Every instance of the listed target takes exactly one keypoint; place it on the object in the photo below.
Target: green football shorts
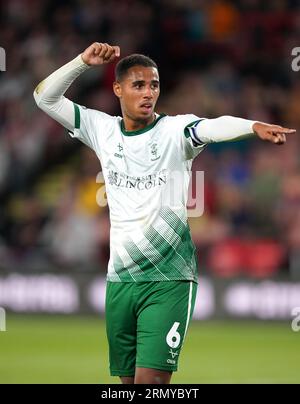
(146, 324)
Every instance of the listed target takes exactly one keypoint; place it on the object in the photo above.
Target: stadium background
(215, 58)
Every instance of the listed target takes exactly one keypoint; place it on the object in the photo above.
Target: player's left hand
(273, 133)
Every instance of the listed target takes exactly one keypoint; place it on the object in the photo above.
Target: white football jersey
(146, 175)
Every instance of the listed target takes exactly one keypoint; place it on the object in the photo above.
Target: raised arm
(229, 128)
(49, 93)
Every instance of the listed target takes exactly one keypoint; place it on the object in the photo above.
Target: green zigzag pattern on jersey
(120, 270)
(172, 261)
(147, 266)
(173, 256)
(187, 248)
(147, 271)
(129, 275)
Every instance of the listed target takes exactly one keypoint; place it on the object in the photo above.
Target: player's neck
(134, 125)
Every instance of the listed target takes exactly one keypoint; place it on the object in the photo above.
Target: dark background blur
(215, 58)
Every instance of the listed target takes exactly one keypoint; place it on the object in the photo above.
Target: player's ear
(117, 89)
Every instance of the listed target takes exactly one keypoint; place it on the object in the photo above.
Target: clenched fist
(273, 133)
(100, 53)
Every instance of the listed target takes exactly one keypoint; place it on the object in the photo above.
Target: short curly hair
(132, 60)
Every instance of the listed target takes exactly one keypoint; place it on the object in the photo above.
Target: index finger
(285, 130)
(117, 50)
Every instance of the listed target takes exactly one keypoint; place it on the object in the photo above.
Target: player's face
(138, 92)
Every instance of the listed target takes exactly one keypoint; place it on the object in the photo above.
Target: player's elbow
(37, 94)
(36, 98)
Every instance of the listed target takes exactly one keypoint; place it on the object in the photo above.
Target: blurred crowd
(215, 58)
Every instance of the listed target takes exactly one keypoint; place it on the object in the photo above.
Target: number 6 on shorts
(173, 337)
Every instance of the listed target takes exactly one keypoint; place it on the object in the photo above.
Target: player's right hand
(273, 133)
(100, 53)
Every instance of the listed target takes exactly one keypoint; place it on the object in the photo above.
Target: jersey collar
(143, 130)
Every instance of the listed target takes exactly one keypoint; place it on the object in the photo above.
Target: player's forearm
(49, 93)
(222, 129)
